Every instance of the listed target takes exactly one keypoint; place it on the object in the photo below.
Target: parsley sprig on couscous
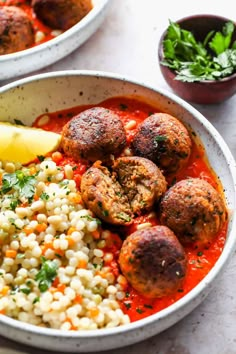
(54, 263)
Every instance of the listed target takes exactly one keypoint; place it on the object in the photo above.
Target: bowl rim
(83, 23)
(227, 251)
(193, 17)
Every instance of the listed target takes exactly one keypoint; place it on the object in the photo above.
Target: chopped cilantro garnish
(160, 138)
(123, 107)
(18, 182)
(105, 212)
(18, 122)
(139, 311)
(212, 59)
(148, 306)
(36, 299)
(25, 290)
(44, 196)
(123, 216)
(47, 274)
(41, 158)
(127, 305)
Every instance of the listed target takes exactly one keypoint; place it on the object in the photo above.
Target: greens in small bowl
(197, 57)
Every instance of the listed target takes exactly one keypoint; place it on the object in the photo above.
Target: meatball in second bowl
(164, 140)
(153, 261)
(61, 14)
(16, 31)
(94, 134)
(194, 210)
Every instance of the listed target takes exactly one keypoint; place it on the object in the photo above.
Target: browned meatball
(104, 196)
(142, 182)
(164, 140)
(16, 31)
(94, 134)
(153, 261)
(61, 14)
(194, 210)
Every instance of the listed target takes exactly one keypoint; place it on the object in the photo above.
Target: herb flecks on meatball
(153, 261)
(94, 134)
(141, 180)
(129, 188)
(61, 14)
(164, 140)
(104, 196)
(194, 210)
(16, 31)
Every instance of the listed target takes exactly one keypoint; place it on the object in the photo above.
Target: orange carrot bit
(46, 246)
(70, 240)
(2, 312)
(70, 230)
(101, 273)
(93, 311)
(82, 264)
(59, 253)
(24, 205)
(41, 227)
(57, 157)
(61, 287)
(36, 197)
(96, 234)
(5, 290)
(32, 171)
(28, 230)
(55, 282)
(76, 199)
(78, 299)
(73, 328)
(11, 253)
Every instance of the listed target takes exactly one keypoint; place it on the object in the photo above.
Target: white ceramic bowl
(28, 98)
(26, 61)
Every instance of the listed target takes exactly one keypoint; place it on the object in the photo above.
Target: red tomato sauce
(200, 261)
(36, 23)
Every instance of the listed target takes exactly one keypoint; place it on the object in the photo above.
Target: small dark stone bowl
(203, 92)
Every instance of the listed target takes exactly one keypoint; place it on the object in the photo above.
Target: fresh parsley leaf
(36, 299)
(25, 290)
(221, 40)
(160, 138)
(18, 122)
(211, 59)
(44, 196)
(20, 183)
(41, 158)
(123, 216)
(47, 274)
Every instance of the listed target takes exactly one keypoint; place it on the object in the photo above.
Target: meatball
(104, 196)
(194, 210)
(94, 134)
(153, 261)
(61, 14)
(16, 31)
(164, 140)
(142, 182)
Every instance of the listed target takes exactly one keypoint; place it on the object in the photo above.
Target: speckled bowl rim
(229, 247)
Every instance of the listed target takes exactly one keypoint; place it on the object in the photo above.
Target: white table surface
(126, 43)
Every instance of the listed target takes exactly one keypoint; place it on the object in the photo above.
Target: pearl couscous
(54, 261)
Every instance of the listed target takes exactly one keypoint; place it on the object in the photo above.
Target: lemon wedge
(23, 144)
